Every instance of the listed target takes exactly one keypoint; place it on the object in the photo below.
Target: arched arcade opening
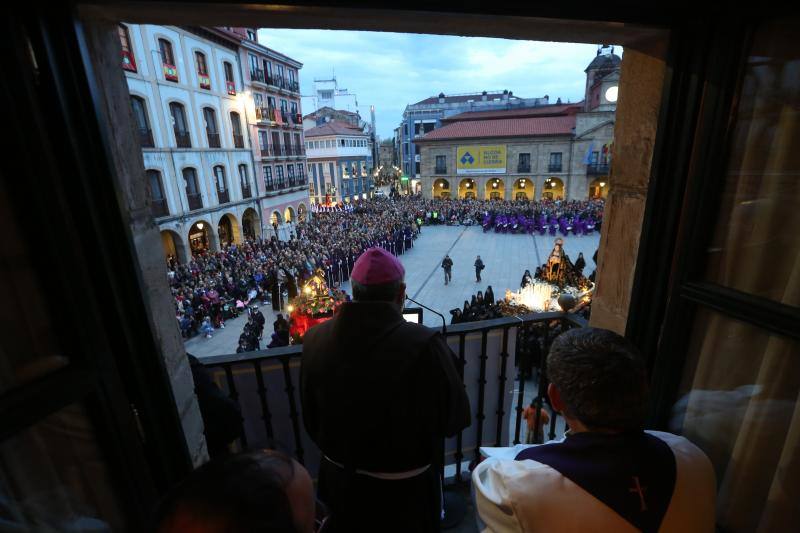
(467, 189)
(441, 188)
(251, 226)
(495, 189)
(524, 189)
(553, 189)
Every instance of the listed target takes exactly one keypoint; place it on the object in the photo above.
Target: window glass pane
(53, 478)
(756, 242)
(28, 337)
(739, 403)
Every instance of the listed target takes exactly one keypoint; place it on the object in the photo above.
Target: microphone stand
(444, 322)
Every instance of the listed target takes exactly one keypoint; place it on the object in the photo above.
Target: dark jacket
(379, 392)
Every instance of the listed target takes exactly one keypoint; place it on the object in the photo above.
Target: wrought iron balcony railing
(257, 75)
(223, 196)
(524, 167)
(159, 207)
(146, 138)
(213, 140)
(440, 170)
(183, 139)
(597, 169)
(554, 168)
(195, 201)
(238, 141)
(265, 385)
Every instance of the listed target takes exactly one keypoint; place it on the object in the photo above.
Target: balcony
(246, 191)
(554, 168)
(597, 169)
(146, 138)
(292, 181)
(524, 167)
(223, 196)
(183, 139)
(270, 80)
(238, 141)
(195, 201)
(159, 208)
(486, 351)
(231, 88)
(205, 81)
(294, 86)
(269, 186)
(440, 170)
(297, 119)
(213, 140)
(257, 75)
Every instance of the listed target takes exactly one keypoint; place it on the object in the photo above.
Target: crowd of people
(216, 286)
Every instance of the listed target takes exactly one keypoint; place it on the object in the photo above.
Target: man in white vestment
(607, 474)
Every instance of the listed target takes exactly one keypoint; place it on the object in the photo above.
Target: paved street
(506, 257)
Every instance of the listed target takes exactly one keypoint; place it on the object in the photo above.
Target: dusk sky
(391, 70)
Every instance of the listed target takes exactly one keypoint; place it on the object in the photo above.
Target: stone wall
(642, 79)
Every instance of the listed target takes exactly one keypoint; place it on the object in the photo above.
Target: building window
(268, 183)
(155, 191)
(202, 70)
(230, 85)
(168, 60)
(180, 125)
(212, 132)
(268, 72)
(555, 162)
(252, 35)
(244, 181)
(192, 191)
(416, 168)
(236, 128)
(524, 163)
(142, 123)
(128, 59)
(262, 141)
(441, 164)
(301, 173)
(220, 184)
(279, 176)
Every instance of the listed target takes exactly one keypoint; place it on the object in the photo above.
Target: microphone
(434, 311)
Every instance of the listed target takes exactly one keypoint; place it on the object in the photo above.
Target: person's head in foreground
(378, 277)
(598, 381)
(260, 491)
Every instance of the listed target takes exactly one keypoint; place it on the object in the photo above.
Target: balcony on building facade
(296, 150)
(159, 208)
(524, 167)
(231, 87)
(246, 191)
(170, 72)
(597, 169)
(183, 139)
(257, 75)
(554, 168)
(440, 170)
(195, 201)
(213, 140)
(292, 181)
(238, 141)
(223, 196)
(146, 138)
(498, 419)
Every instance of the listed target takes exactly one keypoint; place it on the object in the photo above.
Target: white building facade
(189, 107)
(339, 163)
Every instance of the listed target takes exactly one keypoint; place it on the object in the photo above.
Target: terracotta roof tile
(508, 127)
(556, 109)
(333, 128)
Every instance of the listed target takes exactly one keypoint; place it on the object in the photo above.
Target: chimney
(505, 94)
(483, 96)
(441, 98)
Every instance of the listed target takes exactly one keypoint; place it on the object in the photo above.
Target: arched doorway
(523, 189)
(553, 189)
(173, 245)
(441, 188)
(251, 228)
(288, 214)
(199, 238)
(598, 188)
(467, 189)
(228, 230)
(302, 212)
(495, 189)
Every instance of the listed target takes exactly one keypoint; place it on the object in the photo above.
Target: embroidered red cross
(637, 488)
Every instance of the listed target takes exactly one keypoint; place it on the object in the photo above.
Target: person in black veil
(489, 296)
(580, 263)
(527, 279)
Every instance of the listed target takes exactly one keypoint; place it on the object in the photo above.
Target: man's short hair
(601, 377)
(384, 292)
(242, 492)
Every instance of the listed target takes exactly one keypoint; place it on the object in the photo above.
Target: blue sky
(391, 70)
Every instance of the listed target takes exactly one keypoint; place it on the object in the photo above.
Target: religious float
(557, 285)
(314, 304)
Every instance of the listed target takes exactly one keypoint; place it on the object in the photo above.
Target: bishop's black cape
(380, 394)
